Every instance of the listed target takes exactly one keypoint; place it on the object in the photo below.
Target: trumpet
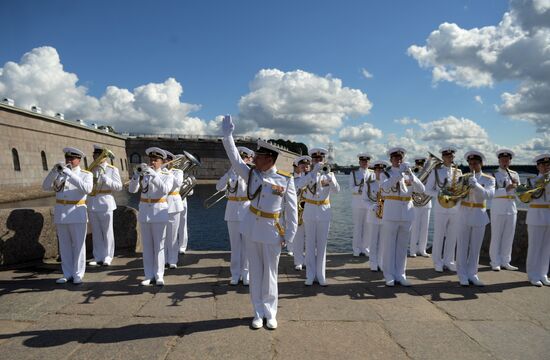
(142, 168)
(60, 167)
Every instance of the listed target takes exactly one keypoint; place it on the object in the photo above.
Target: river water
(208, 230)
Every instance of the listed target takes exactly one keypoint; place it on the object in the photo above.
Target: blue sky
(214, 50)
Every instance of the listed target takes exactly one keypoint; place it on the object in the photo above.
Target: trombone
(214, 199)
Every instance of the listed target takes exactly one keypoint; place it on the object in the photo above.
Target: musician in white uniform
(421, 222)
(101, 204)
(175, 207)
(317, 215)
(371, 197)
(155, 185)
(271, 221)
(503, 212)
(235, 211)
(301, 168)
(473, 219)
(445, 219)
(398, 217)
(183, 236)
(359, 211)
(71, 185)
(538, 225)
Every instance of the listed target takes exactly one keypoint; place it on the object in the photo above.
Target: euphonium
(188, 184)
(527, 193)
(421, 199)
(105, 153)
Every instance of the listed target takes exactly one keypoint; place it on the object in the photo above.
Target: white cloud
(518, 48)
(366, 74)
(406, 121)
(298, 102)
(40, 79)
(478, 99)
(362, 133)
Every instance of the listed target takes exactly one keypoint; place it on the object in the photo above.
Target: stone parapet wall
(30, 134)
(30, 235)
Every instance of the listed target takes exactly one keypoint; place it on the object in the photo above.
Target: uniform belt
(539, 206)
(473, 205)
(154, 201)
(237, 198)
(94, 193)
(70, 202)
(398, 198)
(264, 214)
(318, 202)
(511, 197)
(174, 193)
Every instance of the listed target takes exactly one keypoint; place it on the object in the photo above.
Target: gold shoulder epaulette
(165, 172)
(512, 171)
(467, 174)
(86, 171)
(487, 176)
(111, 166)
(284, 173)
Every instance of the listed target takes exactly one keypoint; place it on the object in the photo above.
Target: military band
(71, 185)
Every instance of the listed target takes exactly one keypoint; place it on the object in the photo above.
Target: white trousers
(239, 261)
(468, 247)
(375, 248)
(419, 235)
(396, 237)
(360, 232)
(538, 252)
(503, 228)
(72, 248)
(182, 230)
(102, 235)
(298, 245)
(171, 244)
(444, 240)
(152, 240)
(264, 261)
(316, 249)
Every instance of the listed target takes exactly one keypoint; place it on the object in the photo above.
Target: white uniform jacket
(320, 194)
(235, 191)
(442, 176)
(70, 198)
(396, 193)
(275, 195)
(473, 210)
(175, 203)
(153, 205)
(357, 185)
(101, 198)
(369, 197)
(539, 216)
(504, 202)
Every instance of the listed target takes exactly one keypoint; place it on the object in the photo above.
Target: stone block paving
(197, 315)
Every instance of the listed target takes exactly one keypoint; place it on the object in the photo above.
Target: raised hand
(227, 125)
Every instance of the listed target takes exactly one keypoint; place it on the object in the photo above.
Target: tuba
(526, 193)
(188, 184)
(185, 163)
(421, 199)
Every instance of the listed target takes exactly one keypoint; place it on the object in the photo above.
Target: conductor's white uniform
(274, 203)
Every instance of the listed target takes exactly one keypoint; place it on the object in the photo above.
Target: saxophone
(301, 204)
(380, 204)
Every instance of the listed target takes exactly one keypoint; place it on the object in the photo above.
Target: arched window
(121, 165)
(135, 158)
(44, 161)
(85, 162)
(16, 164)
(126, 161)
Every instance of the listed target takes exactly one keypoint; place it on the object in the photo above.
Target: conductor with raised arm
(271, 221)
